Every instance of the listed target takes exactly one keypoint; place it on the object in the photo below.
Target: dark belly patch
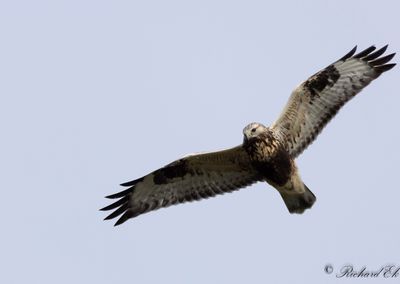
(277, 169)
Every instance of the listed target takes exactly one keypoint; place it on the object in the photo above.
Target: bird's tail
(298, 202)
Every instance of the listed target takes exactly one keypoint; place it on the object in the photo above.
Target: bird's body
(267, 154)
(270, 158)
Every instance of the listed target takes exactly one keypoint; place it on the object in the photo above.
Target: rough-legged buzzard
(267, 153)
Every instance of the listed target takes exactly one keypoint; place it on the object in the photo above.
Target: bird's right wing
(191, 178)
(313, 104)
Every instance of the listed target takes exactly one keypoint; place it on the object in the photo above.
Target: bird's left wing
(191, 178)
(313, 104)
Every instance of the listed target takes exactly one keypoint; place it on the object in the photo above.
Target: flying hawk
(267, 154)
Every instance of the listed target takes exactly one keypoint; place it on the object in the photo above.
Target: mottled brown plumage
(267, 153)
(317, 100)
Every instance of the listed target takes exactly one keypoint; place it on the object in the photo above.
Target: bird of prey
(267, 154)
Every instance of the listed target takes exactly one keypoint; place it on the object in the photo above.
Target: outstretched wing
(313, 104)
(191, 178)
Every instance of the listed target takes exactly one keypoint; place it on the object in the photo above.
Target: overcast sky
(96, 93)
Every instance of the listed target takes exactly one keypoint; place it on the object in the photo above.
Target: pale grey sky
(95, 93)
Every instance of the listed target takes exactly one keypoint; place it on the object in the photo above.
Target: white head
(253, 130)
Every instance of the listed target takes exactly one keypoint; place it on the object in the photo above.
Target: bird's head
(253, 130)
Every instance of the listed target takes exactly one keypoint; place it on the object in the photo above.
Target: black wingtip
(119, 194)
(373, 59)
(376, 54)
(121, 206)
(127, 215)
(365, 52)
(132, 182)
(349, 54)
(119, 222)
(382, 60)
(117, 212)
(116, 204)
(384, 68)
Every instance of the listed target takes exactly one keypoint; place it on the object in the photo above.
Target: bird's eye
(253, 130)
